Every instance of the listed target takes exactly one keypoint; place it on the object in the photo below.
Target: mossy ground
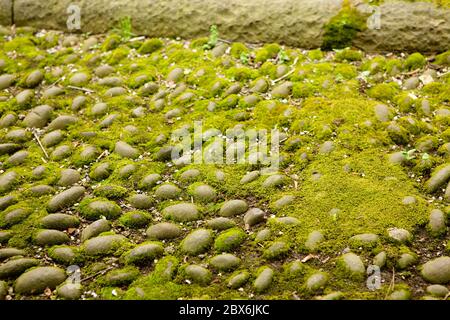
(349, 188)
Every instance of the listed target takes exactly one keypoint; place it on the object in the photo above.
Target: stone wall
(403, 26)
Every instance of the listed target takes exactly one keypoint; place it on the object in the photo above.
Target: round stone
(399, 235)
(68, 177)
(204, 193)
(101, 171)
(24, 97)
(437, 223)
(135, 219)
(364, 240)
(103, 71)
(189, 175)
(276, 180)
(167, 191)
(144, 253)
(229, 240)
(315, 238)
(437, 290)
(34, 78)
(276, 250)
(8, 180)
(50, 237)
(380, 259)
(115, 91)
(6, 80)
(79, 79)
(263, 280)
(182, 212)
(405, 261)
(437, 270)
(438, 178)
(163, 230)
(65, 199)
(15, 216)
(95, 228)
(59, 221)
(125, 150)
(78, 103)
(197, 242)
(382, 112)
(99, 109)
(198, 274)
(175, 74)
(38, 116)
(62, 122)
(104, 245)
(98, 208)
(18, 158)
(233, 207)
(287, 220)
(141, 201)
(69, 291)
(6, 253)
(225, 262)
(64, 255)
(316, 281)
(127, 170)
(253, 216)
(351, 266)
(220, 223)
(238, 280)
(149, 181)
(249, 177)
(7, 201)
(13, 268)
(38, 279)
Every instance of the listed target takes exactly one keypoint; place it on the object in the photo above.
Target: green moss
(342, 28)
(302, 90)
(393, 66)
(111, 42)
(110, 191)
(384, 91)
(229, 240)
(316, 54)
(267, 52)
(150, 46)
(229, 102)
(415, 61)
(135, 219)
(117, 55)
(443, 58)
(241, 73)
(95, 208)
(348, 55)
(237, 49)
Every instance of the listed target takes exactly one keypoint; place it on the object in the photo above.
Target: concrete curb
(404, 26)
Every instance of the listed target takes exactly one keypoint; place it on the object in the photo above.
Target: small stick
(40, 144)
(97, 274)
(223, 40)
(287, 74)
(81, 89)
(54, 83)
(102, 154)
(391, 285)
(136, 39)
